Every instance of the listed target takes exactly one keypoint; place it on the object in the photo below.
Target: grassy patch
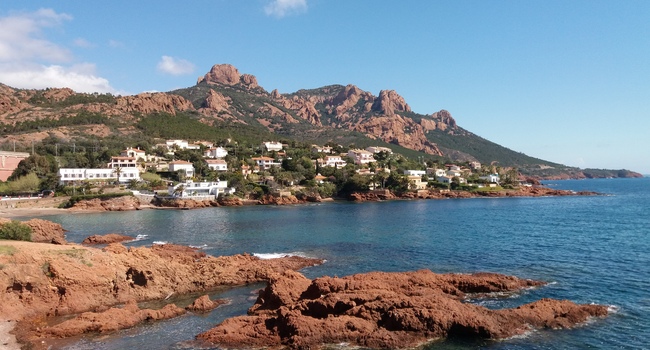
(79, 254)
(7, 250)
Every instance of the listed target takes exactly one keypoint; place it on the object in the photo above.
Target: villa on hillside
(492, 178)
(271, 146)
(321, 149)
(200, 189)
(416, 182)
(75, 175)
(182, 165)
(217, 164)
(332, 161)
(265, 163)
(182, 144)
(361, 156)
(377, 149)
(436, 172)
(215, 152)
(123, 162)
(419, 173)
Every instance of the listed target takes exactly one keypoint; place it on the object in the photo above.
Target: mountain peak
(390, 101)
(228, 74)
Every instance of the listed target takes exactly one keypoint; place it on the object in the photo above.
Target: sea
(590, 249)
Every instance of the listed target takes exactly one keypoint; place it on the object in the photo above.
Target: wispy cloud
(115, 44)
(28, 60)
(81, 42)
(282, 8)
(175, 66)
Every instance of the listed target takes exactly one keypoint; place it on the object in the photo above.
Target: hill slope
(226, 104)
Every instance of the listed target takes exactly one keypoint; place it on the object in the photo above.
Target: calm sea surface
(592, 249)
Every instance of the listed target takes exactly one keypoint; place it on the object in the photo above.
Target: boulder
(204, 304)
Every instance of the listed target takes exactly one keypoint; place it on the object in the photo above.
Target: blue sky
(565, 81)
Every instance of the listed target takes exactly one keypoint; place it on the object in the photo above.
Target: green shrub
(7, 250)
(16, 230)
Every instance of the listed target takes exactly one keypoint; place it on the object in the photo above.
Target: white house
(436, 172)
(182, 165)
(416, 182)
(475, 165)
(217, 164)
(492, 178)
(190, 188)
(70, 175)
(266, 162)
(448, 179)
(453, 173)
(215, 152)
(377, 149)
(123, 162)
(272, 146)
(332, 161)
(134, 153)
(419, 173)
(321, 149)
(182, 144)
(361, 156)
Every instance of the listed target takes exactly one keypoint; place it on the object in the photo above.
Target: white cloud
(81, 42)
(21, 37)
(80, 78)
(175, 66)
(281, 8)
(28, 60)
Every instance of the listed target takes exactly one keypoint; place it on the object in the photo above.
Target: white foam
(202, 246)
(267, 256)
(613, 309)
(140, 238)
(159, 242)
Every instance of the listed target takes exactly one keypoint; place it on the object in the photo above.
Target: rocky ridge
(389, 310)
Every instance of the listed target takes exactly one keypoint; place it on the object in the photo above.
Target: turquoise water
(593, 249)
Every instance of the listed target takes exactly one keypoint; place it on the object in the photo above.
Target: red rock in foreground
(388, 310)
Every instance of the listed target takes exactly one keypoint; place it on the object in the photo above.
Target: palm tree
(118, 172)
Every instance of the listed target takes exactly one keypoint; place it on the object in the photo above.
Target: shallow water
(593, 249)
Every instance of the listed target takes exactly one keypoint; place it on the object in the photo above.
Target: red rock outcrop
(44, 231)
(41, 280)
(215, 102)
(349, 97)
(204, 304)
(58, 94)
(148, 102)
(399, 130)
(107, 239)
(441, 120)
(123, 203)
(279, 200)
(184, 203)
(227, 74)
(388, 310)
(111, 320)
(390, 101)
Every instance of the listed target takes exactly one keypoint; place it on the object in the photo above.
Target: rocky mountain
(224, 98)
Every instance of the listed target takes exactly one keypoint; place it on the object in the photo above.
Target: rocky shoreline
(101, 288)
(43, 280)
(389, 310)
